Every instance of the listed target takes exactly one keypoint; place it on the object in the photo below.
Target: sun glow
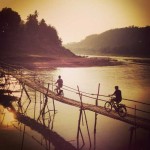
(7, 117)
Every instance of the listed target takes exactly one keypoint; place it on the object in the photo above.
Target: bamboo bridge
(22, 76)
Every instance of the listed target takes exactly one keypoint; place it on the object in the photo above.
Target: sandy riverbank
(38, 62)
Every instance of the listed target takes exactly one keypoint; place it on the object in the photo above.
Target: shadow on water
(49, 135)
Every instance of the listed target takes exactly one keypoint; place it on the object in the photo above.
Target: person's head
(59, 76)
(116, 87)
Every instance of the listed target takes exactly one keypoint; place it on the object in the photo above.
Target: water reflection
(9, 113)
(6, 108)
(76, 128)
(36, 125)
(7, 117)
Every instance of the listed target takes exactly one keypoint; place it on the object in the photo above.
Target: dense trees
(30, 37)
(9, 28)
(129, 41)
(9, 20)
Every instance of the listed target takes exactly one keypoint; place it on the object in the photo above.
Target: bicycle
(119, 108)
(59, 92)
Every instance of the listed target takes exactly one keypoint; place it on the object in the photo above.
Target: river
(134, 82)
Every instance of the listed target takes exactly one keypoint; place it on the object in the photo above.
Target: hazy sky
(76, 19)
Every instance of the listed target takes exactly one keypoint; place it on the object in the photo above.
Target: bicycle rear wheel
(108, 106)
(122, 111)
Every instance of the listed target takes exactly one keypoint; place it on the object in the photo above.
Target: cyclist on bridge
(59, 83)
(117, 94)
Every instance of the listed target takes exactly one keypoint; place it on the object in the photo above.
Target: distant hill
(129, 41)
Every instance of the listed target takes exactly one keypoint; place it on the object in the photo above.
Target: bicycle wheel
(108, 106)
(122, 111)
(55, 91)
(61, 93)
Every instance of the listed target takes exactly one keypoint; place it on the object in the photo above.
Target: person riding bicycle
(117, 94)
(114, 103)
(59, 83)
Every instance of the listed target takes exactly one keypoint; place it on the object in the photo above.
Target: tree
(30, 37)
(53, 36)
(9, 27)
(9, 20)
(49, 33)
(32, 23)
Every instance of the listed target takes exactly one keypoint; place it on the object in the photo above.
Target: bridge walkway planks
(130, 119)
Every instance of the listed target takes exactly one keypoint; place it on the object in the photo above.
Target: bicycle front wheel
(108, 106)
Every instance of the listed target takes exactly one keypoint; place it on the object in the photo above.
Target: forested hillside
(33, 37)
(129, 41)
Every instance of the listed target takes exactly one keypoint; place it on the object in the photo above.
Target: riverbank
(44, 62)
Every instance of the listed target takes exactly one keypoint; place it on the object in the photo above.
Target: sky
(76, 19)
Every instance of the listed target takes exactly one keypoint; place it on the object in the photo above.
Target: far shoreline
(45, 62)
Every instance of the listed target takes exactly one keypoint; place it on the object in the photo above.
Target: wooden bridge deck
(130, 119)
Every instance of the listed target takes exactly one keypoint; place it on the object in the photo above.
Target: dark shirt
(60, 82)
(118, 95)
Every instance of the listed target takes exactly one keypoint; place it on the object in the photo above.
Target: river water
(134, 82)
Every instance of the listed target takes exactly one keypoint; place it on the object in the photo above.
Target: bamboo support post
(87, 128)
(96, 103)
(79, 130)
(135, 126)
(131, 137)
(53, 99)
(40, 100)
(42, 112)
(27, 96)
(80, 95)
(95, 131)
(35, 105)
(23, 137)
(95, 123)
(19, 101)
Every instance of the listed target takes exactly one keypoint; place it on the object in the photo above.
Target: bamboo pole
(80, 95)
(135, 127)
(19, 101)
(87, 128)
(79, 121)
(96, 103)
(53, 98)
(95, 131)
(27, 96)
(23, 137)
(35, 105)
(95, 123)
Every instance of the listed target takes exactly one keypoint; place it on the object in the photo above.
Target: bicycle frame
(115, 105)
(59, 91)
(119, 108)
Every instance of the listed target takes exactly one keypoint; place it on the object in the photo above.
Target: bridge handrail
(86, 93)
(138, 110)
(109, 96)
(15, 67)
